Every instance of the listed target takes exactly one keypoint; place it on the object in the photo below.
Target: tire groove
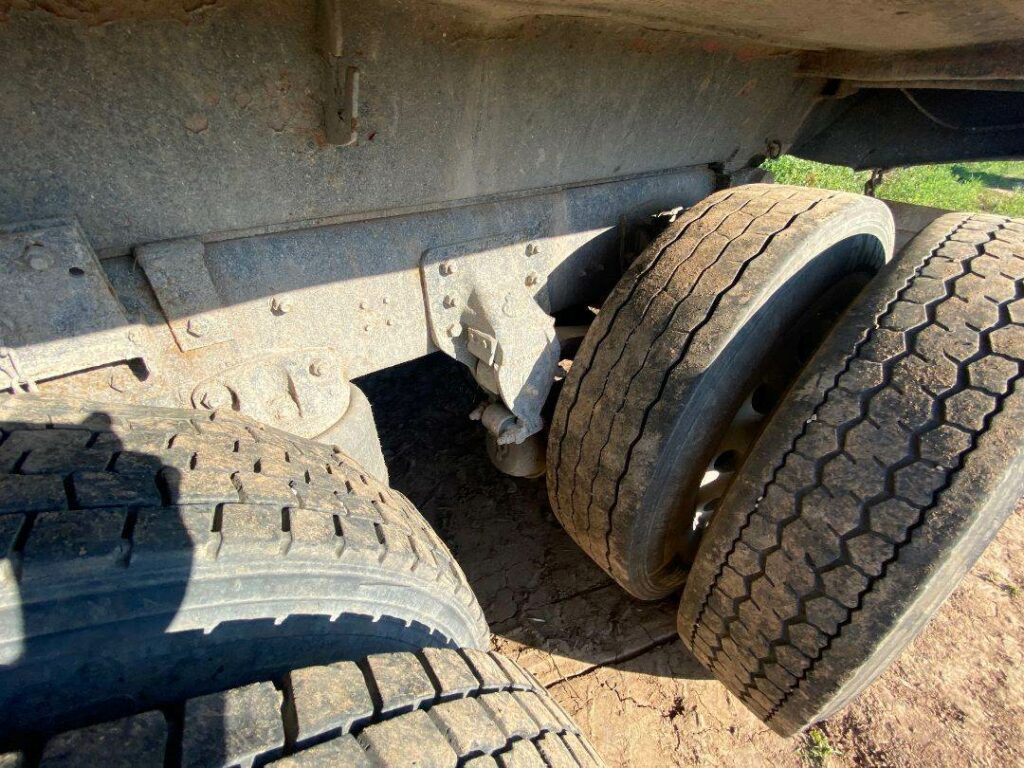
(570, 410)
(592, 349)
(685, 260)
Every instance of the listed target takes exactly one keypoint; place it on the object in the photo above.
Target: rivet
(386, 300)
(532, 278)
(447, 268)
(454, 330)
(317, 368)
(364, 304)
(197, 326)
(366, 328)
(389, 321)
(280, 305)
(450, 301)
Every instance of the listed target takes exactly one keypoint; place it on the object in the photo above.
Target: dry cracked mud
(956, 697)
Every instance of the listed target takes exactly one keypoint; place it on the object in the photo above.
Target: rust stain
(197, 123)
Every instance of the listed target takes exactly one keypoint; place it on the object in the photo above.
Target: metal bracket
(487, 305)
(341, 105)
(304, 392)
(176, 270)
(58, 312)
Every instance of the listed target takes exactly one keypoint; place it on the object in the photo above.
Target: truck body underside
(251, 204)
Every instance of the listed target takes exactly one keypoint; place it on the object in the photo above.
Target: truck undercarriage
(234, 210)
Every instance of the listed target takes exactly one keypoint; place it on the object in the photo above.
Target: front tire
(154, 554)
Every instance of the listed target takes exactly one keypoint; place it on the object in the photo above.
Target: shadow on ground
(990, 180)
(548, 605)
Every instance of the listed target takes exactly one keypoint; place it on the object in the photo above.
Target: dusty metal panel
(58, 313)
(356, 287)
(152, 129)
(177, 273)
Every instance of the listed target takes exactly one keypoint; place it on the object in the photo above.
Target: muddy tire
(884, 474)
(683, 341)
(438, 707)
(152, 554)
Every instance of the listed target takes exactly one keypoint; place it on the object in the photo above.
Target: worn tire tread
(886, 470)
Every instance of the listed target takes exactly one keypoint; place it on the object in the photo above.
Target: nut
(215, 396)
(280, 305)
(532, 250)
(454, 330)
(532, 278)
(447, 268)
(450, 301)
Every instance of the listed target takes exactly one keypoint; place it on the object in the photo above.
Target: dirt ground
(956, 697)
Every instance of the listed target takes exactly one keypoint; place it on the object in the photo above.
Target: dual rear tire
(857, 496)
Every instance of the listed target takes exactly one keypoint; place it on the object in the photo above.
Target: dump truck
(780, 407)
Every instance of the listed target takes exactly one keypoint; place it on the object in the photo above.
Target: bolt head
(532, 249)
(197, 326)
(317, 368)
(454, 330)
(450, 302)
(214, 397)
(447, 268)
(38, 257)
(532, 279)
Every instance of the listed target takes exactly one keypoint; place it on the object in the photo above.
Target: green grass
(816, 749)
(993, 187)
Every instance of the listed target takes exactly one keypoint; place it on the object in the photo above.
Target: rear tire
(433, 708)
(154, 554)
(660, 381)
(884, 474)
